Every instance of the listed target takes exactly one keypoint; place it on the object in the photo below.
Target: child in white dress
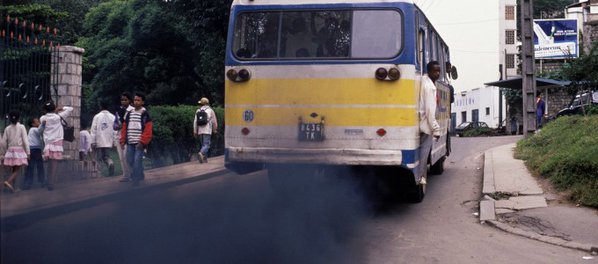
(17, 153)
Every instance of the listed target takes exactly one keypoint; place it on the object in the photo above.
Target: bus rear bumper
(405, 158)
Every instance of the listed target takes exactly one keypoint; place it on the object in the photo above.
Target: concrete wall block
(69, 81)
(65, 79)
(62, 89)
(68, 58)
(67, 100)
(68, 69)
(73, 68)
(76, 103)
(61, 68)
(77, 80)
(72, 49)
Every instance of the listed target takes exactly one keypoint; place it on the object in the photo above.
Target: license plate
(311, 131)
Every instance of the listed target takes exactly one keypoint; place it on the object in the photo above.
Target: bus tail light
(242, 75)
(394, 74)
(381, 73)
(232, 75)
(245, 131)
(381, 132)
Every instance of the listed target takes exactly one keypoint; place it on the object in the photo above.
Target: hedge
(173, 140)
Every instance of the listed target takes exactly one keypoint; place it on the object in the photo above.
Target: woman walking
(17, 152)
(53, 138)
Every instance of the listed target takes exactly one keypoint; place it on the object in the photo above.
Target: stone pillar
(66, 90)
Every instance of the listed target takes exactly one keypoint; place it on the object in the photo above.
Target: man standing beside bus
(428, 100)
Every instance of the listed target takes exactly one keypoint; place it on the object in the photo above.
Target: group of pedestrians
(129, 130)
(43, 142)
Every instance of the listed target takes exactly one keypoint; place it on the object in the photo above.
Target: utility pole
(528, 84)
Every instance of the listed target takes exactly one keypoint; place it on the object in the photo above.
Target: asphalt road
(236, 219)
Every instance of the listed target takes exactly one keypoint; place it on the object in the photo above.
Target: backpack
(202, 117)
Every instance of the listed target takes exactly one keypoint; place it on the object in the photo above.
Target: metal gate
(28, 67)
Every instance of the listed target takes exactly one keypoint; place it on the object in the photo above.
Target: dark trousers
(35, 163)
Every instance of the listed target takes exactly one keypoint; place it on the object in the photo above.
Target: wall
(66, 71)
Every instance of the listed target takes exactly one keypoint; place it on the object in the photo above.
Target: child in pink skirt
(53, 137)
(17, 153)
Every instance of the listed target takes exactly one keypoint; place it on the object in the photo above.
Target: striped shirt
(134, 128)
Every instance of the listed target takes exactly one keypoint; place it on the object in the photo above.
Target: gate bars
(29, 56)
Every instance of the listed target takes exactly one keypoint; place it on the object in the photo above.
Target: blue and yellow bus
(320, 83)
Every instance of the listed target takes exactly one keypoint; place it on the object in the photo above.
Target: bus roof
(301, 2)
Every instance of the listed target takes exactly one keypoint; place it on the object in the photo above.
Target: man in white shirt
(428, 100)
(428, 123)
(102, 136)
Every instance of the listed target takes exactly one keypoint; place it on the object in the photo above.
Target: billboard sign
(555, 38)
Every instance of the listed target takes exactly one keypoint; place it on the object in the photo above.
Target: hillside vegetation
(566, 152)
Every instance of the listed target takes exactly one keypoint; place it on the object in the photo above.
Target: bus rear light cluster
(381, 74)
(242, 75)
(245, 131)
(381, 132)
(392, 74)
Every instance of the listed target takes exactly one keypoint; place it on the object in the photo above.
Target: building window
(487, 110)
(463, 116)
(510, 61)
(510, 12)
(510, 37)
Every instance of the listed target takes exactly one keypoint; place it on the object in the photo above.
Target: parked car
(468, 126)
(580, 100)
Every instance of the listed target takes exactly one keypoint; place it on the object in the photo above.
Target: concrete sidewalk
(38, 202)
(514, 202)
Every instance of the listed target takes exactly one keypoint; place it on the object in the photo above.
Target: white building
(482, 104)
(586, 13)
(507, 46)
(478, 105)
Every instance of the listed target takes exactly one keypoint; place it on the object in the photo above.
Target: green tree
(138, 46)
(65, 15)
(550, 8)
(208, 24)
(583, 71)
(173, 51)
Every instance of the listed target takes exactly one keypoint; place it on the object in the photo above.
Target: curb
(25, 219)
(487, 214)
(593, 249)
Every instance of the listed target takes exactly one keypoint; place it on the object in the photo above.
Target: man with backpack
(204, 124)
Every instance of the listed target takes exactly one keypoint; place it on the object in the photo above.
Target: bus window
(434, 46)
(256, 35)
(317, 34)
(297, 36)
(418, 63)
(421, 41)
(442, 61)
(384, 26)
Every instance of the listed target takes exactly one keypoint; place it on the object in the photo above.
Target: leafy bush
(566, 152)
(173, 140)
(592, 110)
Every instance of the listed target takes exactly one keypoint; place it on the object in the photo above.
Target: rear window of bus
(344, 34)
